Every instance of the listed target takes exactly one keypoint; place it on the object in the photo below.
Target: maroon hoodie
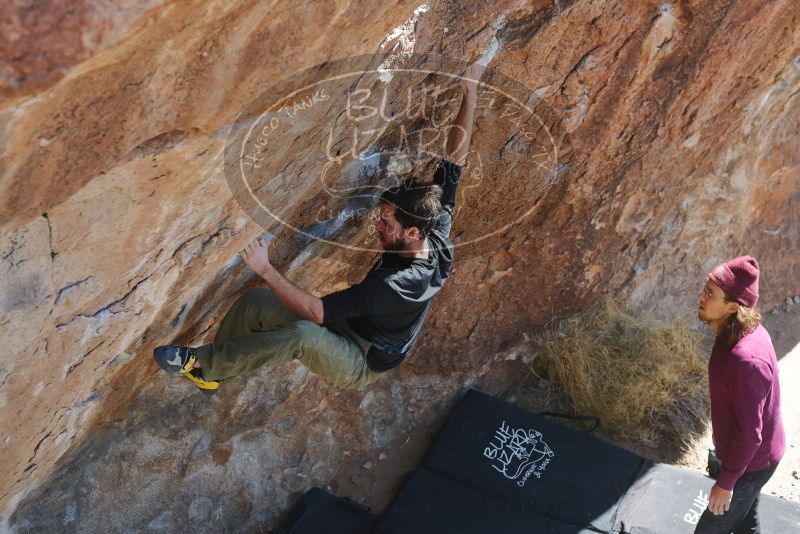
(745, 406)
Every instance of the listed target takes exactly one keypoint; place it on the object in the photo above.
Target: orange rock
(672, 144)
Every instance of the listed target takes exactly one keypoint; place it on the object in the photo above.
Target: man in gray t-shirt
(349, 337)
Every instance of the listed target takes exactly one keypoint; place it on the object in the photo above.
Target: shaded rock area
(676, 126)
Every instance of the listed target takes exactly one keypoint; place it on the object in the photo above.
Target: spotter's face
(712, 304)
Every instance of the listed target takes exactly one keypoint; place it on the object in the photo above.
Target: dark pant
(259, 330)
(742, 517)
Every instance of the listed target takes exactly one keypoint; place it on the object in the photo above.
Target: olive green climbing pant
(259, 330)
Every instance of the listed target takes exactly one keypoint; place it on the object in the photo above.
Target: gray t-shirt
(389, 306)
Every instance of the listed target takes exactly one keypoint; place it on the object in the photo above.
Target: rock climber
(745, 393)
(349, 337)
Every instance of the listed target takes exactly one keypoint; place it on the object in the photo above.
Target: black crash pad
(525, 458)
(431, 503)
(319, 511)
(495, 468)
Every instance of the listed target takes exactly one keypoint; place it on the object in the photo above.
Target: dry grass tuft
(644, 379)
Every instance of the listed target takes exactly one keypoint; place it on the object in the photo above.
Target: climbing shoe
(179, 359)
(209, 387)
(175, 358)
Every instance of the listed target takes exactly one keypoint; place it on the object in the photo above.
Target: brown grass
(644, 379)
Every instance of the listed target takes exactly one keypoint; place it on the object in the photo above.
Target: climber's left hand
(256, 257)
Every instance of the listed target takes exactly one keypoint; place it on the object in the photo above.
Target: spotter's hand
(256, 257)
(719, 501)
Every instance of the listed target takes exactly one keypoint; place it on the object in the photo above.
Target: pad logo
(699, 504)
(518, 454)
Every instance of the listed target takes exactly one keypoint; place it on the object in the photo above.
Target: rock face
(672, 144)
(42, 40)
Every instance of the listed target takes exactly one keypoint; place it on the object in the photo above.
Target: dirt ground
(374, 478)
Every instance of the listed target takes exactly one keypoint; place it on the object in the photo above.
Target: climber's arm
(458, 139)
(448, 171)
(300, 302)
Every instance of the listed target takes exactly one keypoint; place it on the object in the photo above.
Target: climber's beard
(394, 245)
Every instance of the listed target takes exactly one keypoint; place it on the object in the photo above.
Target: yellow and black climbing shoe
(180, 359)
(175, 358)
(209, 387)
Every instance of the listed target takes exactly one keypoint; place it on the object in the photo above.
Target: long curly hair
(739, 325)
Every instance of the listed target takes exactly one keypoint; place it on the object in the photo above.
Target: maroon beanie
(738, 278)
